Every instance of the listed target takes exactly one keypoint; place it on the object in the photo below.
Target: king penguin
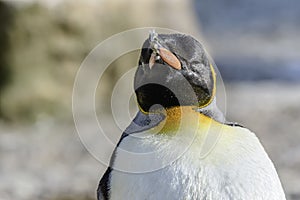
(179, 146)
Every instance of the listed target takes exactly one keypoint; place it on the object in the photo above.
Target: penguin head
(174, 70)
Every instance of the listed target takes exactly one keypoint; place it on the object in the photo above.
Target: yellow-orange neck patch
(183, 118)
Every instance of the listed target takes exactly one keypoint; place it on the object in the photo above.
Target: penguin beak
(160, 52)
(152, 60)
(170, 58)
(167, 56)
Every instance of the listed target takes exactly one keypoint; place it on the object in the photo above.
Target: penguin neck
(212, 111)
(183, 118)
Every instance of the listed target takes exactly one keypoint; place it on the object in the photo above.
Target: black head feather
(193, 84)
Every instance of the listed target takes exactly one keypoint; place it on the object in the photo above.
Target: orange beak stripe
(169, 58)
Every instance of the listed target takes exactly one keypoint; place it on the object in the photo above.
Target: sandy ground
(48, 161)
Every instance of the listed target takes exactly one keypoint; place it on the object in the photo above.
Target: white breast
(237, 168)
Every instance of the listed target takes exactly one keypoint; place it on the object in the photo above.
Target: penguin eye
(141, 63)
(145, 55)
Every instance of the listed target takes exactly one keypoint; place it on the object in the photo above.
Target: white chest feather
(236, 168)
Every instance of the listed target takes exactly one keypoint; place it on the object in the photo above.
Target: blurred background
(255, 44)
